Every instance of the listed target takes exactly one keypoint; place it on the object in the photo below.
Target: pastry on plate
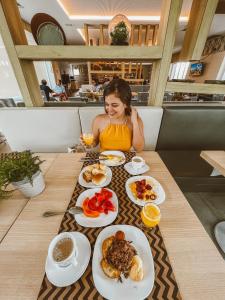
(120, 258)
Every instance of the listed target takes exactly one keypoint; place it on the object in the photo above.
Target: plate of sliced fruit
(143, 189)
(100, 207)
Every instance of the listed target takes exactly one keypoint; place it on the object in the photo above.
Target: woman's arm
(96, 130)
(138, 140)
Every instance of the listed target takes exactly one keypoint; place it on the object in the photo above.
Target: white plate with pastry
(96, 175)
(140, 280)
(112, 158)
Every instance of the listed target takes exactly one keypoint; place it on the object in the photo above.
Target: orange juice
(150, 215)
(88, 138)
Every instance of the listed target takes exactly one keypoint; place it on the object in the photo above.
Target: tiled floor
(210, 209)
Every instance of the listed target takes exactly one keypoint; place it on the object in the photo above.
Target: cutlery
(73, 210)
(91, 159)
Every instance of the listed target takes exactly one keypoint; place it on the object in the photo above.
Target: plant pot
(30, 190)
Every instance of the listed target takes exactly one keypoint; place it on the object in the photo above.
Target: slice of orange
(88, 212)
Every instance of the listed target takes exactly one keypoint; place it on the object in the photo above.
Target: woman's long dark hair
(121, 89)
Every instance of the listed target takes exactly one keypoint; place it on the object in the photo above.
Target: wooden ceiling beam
(201, 16)
(94, 53)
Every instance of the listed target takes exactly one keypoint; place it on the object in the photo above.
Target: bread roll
(98, 179)
(87, 176)
(89, 168)
(97, 171)
(136, 272)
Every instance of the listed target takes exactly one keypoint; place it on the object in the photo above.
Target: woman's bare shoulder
(100, 117)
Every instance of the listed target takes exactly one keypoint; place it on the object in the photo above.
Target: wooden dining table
(198, 267)
(216, 159)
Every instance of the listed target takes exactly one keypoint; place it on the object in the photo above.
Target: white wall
(8, 84)
(9, 87)
(43, 69)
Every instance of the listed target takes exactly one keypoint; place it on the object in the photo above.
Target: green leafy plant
(120, 34)
(20, 166)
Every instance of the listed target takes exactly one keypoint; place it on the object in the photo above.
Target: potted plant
(23, 171)
(120, 34)
(4, 194)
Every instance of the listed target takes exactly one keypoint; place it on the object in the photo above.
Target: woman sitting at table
(120, 127)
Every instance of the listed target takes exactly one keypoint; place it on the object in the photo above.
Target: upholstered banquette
(184, 133)
(52, 129)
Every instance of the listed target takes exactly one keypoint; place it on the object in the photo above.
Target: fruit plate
(103, 219)
(156, 187)
(90, 185)
(112, 289)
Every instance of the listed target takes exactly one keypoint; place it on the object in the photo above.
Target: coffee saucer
(62, 277)
(128, 167)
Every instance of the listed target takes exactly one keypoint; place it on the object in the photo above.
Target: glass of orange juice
(150, 215)
(88, 139)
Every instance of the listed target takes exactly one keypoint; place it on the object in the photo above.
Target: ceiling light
(131, 18)
(109, 18)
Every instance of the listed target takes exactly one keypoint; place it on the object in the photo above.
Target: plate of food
(96, 175)
(122, 263)
(143, 189)
(100, 207)
(112, 158)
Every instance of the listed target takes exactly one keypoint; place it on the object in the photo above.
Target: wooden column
(139, 35)
(166, 37)
(56, 71)
(101, 34)
(147, 34)
(201, 16)
(12, 32)
(86, 34)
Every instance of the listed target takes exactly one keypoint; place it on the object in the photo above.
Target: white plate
(90, 185)
(62, 277)
(103, 219)
(111, 163)
(112, 289)
(156, 186)
(128, 167)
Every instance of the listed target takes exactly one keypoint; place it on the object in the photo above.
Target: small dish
(62, 277)
(103, 219)
(128, 167)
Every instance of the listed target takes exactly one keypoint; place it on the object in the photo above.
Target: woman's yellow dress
(115, 137)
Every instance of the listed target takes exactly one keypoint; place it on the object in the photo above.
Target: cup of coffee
(137, 162)
(63, 250)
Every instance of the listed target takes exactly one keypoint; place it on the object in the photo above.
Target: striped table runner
(165, 286)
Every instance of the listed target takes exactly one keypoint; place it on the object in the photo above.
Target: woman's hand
(134, 115)
(88, 143)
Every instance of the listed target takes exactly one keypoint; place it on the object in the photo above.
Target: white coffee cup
(72, 258)
(137, 162)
